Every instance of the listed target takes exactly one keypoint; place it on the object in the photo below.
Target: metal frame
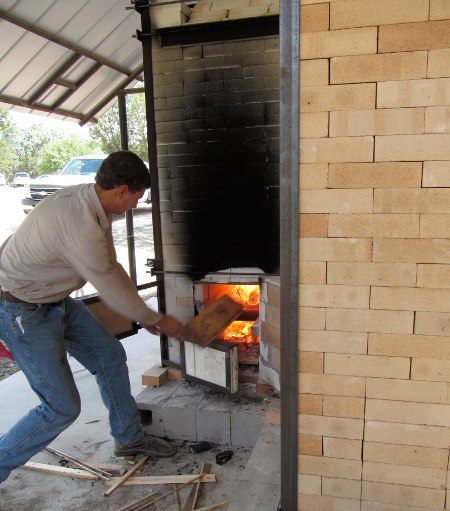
(289, 194)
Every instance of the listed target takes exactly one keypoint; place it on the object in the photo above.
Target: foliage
(57, 153)
(27, 145)
(107, 130)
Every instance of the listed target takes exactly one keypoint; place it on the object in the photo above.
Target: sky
(24, 121)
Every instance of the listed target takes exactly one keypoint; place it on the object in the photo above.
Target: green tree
(27, 145)
(57, 153)
(8, 131)
(107, 130)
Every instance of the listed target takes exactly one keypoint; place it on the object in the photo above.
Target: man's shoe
(149, 445)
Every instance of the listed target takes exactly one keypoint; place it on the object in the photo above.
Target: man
(64, 242)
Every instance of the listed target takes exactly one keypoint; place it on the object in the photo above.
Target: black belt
(6, 296)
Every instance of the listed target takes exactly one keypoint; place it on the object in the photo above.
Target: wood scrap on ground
(102, 474)
(175, 479)
(61, 471)
(126, 476)
(194, 494)
(214, 506)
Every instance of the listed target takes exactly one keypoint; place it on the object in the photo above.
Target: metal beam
(289, 200)
(62, 42)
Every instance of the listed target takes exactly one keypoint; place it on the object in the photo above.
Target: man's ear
(121, 190)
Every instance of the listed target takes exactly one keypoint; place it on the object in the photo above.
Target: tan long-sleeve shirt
(63, 243)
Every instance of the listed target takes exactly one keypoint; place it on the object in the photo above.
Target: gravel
(7, 368)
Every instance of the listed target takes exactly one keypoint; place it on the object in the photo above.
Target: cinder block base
(187, 411)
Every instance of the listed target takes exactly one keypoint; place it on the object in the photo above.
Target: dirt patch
(7, 368)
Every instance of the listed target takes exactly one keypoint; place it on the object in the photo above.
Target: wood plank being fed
(210, 321)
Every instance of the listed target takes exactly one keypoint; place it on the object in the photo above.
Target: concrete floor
(88, 439)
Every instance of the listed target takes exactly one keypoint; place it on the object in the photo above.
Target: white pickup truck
(80, 169)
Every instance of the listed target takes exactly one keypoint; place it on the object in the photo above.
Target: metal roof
(67, 59)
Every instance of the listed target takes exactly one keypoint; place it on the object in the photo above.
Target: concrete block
(310, 445)
(326, 503)
(333, 342)
(333, 249)
(253, 496)
(432, 323)
(339, 427)
(342, 406)
(314, 18)
(413, 93)
(406, 298)
(382, 321)
(323, 45)
(213, 426)
(412, 147)
(308, 484)
(375, 175)
(429, 35)
(312, 318)
(403, 495)
(367, 273)
(318, 295)
(403, 434)
(392, 121)
(417, 346)
(404, 475)
(333, 385)
(363, 13)
(439, 10)
(314, 124)
(377, 68)
(407, 390)
(376, 226)
(310, 362)
(436, 275)
(437, 119)
(330, 467)
(411, 413)
(313, 176)
(337, 97)
(336, 201)
(338, 487)
(339, 149)
(405, 455)
(438, 63)
(430, 369)
(310, 404)
(245, 428)
(314, 72)
(312, 272)
(367, 365)
(342, 448)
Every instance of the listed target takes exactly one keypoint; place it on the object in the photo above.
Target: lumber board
(174, 479)
(194, 494)
(126, 476)
(60, 471)
(155, 376)
(211, 320)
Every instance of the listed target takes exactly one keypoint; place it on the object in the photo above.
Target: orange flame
(245, 294)
(239, 331)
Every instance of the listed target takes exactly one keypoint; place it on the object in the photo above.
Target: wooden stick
(177, 497)
(62, 471)
(213, 506)
(126, 476)
(93, 470)
(194, 494)
(145, 501)
(177, 479)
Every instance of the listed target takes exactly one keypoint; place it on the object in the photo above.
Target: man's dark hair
(123, 168)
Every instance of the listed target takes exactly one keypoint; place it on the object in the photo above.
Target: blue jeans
(38, 336)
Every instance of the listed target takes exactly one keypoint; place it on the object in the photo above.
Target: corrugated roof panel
(37, 67)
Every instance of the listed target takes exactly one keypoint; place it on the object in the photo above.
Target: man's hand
(167, 325)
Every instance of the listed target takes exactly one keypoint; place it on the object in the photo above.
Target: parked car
(78, 170)
(21, 179)
(2, 179)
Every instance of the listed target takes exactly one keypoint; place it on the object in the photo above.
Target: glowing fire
(241, 331)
